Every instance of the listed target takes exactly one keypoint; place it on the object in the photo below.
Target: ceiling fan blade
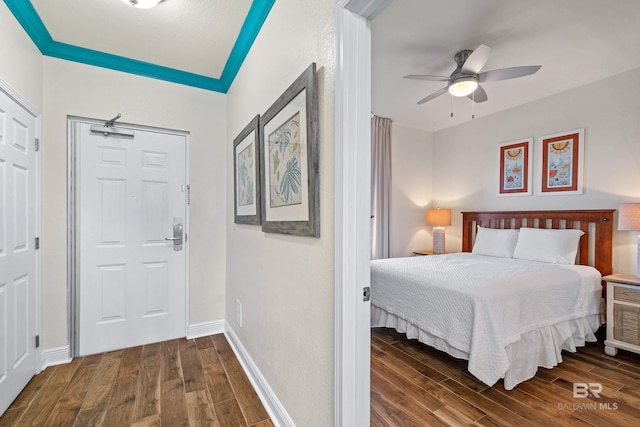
(478, 95)
(434, 95)
(476, 60)
(427, 77)
(508, 73)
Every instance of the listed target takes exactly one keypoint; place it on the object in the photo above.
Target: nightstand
(623, 313)
(420, 253)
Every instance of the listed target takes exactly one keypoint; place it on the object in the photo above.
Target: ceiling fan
(466, 78)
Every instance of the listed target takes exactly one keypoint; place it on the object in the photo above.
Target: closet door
(18, 259)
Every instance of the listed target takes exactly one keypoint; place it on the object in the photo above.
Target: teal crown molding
(30, 21)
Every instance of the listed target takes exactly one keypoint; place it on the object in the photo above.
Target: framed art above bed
(562, 156)
(514, 177)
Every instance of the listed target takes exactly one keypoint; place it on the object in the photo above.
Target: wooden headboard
(595, 245)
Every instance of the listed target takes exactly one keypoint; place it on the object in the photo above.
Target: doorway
(128, 188)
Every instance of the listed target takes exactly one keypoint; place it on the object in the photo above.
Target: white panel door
(132, 281)
(18, 200)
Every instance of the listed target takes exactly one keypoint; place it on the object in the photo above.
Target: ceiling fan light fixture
(142, 4)
(463, 86)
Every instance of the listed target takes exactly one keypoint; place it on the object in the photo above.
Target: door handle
(177, 234)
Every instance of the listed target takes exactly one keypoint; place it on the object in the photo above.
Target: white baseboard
(60, 355)
(206, 328)
(278, 414)
(54, 356)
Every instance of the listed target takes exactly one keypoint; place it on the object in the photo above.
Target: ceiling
(575, 41)
(199, 43)
(203, 43)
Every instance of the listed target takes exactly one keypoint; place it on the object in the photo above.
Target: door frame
(352, 142)
(73, 216)
(33, 111)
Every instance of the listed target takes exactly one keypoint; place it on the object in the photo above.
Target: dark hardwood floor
(201, 383)
(415, 385)
(175, 383)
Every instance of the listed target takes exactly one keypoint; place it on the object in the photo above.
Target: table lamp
(438, 219)
(629, 219)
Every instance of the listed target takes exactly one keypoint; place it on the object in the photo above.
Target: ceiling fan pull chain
(451, 99)
(473, 105)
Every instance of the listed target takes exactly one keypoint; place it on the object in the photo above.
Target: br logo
(582, 390)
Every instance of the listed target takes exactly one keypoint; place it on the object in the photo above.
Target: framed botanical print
(246, 174)
(514, 177)
(562, 163)
(289, 160)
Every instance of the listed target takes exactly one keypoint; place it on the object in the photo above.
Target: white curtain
(380, 186)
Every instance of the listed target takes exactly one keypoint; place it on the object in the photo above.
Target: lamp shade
(629, 216)
(438, 217)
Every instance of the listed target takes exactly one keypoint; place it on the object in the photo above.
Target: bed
(506, 313)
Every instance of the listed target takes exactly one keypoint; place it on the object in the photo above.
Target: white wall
(82, 90)
(411, 164)
(465, 156)
(285, 283)
(20, 59)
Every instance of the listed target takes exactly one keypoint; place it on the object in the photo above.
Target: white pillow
(547, 245)
(495, 242)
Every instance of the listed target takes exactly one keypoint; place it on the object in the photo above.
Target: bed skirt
(538, 348)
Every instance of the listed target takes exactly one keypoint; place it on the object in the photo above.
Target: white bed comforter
(479, 304)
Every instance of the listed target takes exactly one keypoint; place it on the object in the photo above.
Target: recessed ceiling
(575, 41)
(200, 43)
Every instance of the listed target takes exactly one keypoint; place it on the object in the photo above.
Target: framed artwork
(289, 160)
(246, 174)
(515, 168)
(562, 163)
